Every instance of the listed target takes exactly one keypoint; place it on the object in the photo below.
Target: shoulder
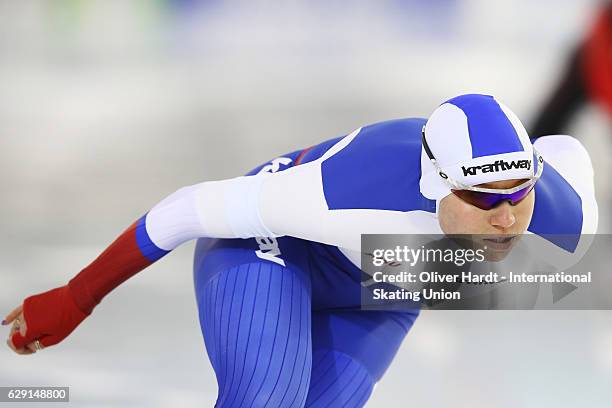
(565, 206)
(376, 167)
(386, 137)
(386, 140)
(569, 157)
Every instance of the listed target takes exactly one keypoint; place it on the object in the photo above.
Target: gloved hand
(48, 317)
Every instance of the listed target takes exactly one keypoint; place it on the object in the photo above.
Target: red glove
(49, 317)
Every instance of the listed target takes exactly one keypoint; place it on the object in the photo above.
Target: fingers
(19, 324)
(31, 347)
(11, 316)
(23, 327)
(23, 351)
(18, 340)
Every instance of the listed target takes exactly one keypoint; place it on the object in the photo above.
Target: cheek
(458, 217)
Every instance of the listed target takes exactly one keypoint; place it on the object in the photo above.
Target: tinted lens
(486, 201)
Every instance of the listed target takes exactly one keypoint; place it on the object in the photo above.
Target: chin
(495, 255)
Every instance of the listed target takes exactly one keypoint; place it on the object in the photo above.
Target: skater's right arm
(270, 204)
(210, 209)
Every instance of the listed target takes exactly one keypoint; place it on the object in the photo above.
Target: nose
(502, 216)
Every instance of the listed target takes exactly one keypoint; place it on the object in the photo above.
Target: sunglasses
(487, 198)
(486, 201)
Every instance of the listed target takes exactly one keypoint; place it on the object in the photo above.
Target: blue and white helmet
(475, 139)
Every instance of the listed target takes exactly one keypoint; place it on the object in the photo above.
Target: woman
(276, 268)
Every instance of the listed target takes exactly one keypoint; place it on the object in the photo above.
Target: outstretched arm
(217, 209)
(233, 208)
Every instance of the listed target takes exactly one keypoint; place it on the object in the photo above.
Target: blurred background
(108, 106)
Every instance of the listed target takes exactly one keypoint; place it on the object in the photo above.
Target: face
(459, 217)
